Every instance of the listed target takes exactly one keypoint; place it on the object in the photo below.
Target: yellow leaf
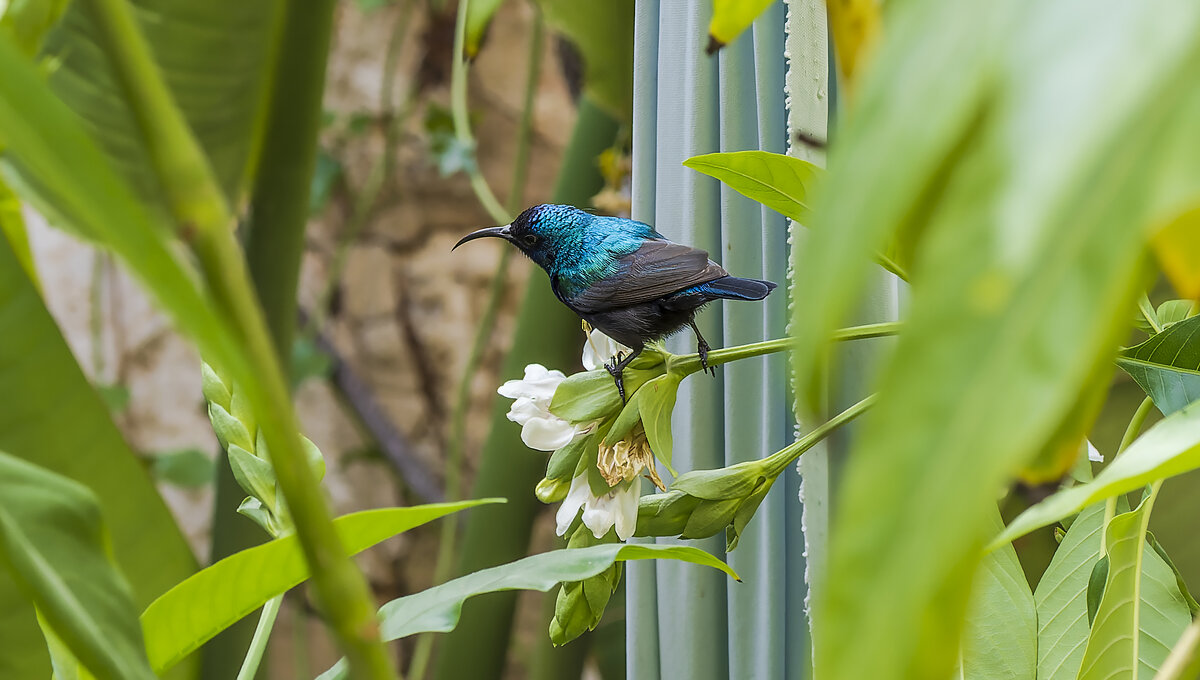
(730, 18)
(1177, 247)
(856, 26)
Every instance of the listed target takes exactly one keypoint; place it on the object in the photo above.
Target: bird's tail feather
(734, 288)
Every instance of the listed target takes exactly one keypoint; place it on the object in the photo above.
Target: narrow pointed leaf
(1167, 366)
(1170, 448)
(53, 540)
(730, 18)
(1142, 612)
(479, 17)
(438, 608)
(192, 612)
(782, 183)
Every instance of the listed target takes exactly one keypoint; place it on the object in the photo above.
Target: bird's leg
(617, 365)
(702, 349)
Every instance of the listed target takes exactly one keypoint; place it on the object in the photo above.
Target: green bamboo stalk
(203, 216)
(549, 334)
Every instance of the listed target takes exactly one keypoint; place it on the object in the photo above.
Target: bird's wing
(655, 269)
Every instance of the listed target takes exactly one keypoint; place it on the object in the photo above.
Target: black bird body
(622, 276)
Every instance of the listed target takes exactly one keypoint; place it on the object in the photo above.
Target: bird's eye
(529, 240)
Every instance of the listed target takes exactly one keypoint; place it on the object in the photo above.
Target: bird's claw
(616, 372)
(702, 349)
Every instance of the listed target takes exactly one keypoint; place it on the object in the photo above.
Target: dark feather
(656, 269)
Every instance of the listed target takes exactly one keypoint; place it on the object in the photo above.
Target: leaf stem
(462, 123)
(690, 363)
(1131, 432)
(266, 621)
(777, 462)
(247, 353)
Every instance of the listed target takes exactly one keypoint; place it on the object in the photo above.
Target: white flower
(600, 349)
(618, 507)
(540, 429)
(1094, 453)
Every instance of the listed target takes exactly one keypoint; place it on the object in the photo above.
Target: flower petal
(599, 515)
(523, 409)
(627, 509)
(547, 434)
(1094, 453)
(600, 349)
(576, 498)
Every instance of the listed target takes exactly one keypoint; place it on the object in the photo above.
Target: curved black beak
(498, 232)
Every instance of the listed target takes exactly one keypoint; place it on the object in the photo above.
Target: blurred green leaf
(1167, 366)
(28, 21)
(1002, 625)
(479, 17)
(438, 608)
(1170, 448)
(185, 468)
(53, 539)
(603, 34)
(450, 154)
(782, 183)
(1184, 661)
(115, 396)
(325, 176)
(1061, 596)
(51, 416)
(730, 18)
(1027, 216)
(214, 57)
(206, 603)
(1177, 246)
(12, 225)
(66, 666)
(1142, 612)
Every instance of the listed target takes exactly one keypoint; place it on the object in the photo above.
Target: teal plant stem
(204, 219)
(1131, 432)
(690, 363)
(258, 644)
(777, 462)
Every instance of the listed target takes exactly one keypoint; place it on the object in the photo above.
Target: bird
(622, 277)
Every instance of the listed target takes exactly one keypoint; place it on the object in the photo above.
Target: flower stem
(1131, 432)
(690, 363)
(266, 621)
(780, 460)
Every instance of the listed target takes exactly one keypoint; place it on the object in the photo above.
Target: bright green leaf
(1167, 366)
(1170, 448)
(1142, 612)
(206, 603)
(438, 608)
(253, 474)
(1173, 311)
(1061, 595)
(52, 538)
(1184, 660)
(782, 183)
(603, 34)
(730, 18)
(28, 21)
(590, 395)
(479, 17)
(658, 402)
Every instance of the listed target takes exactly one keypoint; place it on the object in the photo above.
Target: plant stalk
(258, 644)
(248, 354)
(780, 460)
(690, 363)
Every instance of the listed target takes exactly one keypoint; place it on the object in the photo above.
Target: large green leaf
(1170, 448)
(438, 608)
(192, 612)
(782, 183)
(1061, 598)
(53, 539)
(1026, 205)
(603, 34)
(51, 416)
(213, 56)
(1142, 612)
(1001, 636)
(1167, 366)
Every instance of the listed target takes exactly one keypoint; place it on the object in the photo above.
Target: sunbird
(622, 276)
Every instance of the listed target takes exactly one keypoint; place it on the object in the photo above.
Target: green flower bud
(552, 490)
(580, 604)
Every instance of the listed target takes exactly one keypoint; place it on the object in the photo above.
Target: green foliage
(1142, 612)
(730, 18)
(210, 600)
(782, 183)
(1027, 266)
(1167, 366)
(185, 468)
(1170, 448)
(479, 17)
(1060, 597)
(603, 34)
(53, 540)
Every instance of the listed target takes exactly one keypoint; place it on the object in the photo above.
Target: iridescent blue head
(553, 236)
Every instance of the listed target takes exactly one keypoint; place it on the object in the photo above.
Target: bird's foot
(702, 349)
(616, 370)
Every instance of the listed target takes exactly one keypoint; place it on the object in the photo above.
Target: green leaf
(1180, 583)
(1000, 640)
(185, 468)
(603, 34)
(1173, 311)
(52, 417)
(1027, 225)
(479, 17)
(590, 395)
(563, 461)
(1142, 612)
(1061, 595)
(629, 416)
(214, 57)
(438, 608)
(730, 18)
(53, 540)
(326, 173)
(192, 612)
(782, 183)
(1167, 366)
(658, 402)
(1184, 661)
(28, 21)
(1170, 448)
(254, 475)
